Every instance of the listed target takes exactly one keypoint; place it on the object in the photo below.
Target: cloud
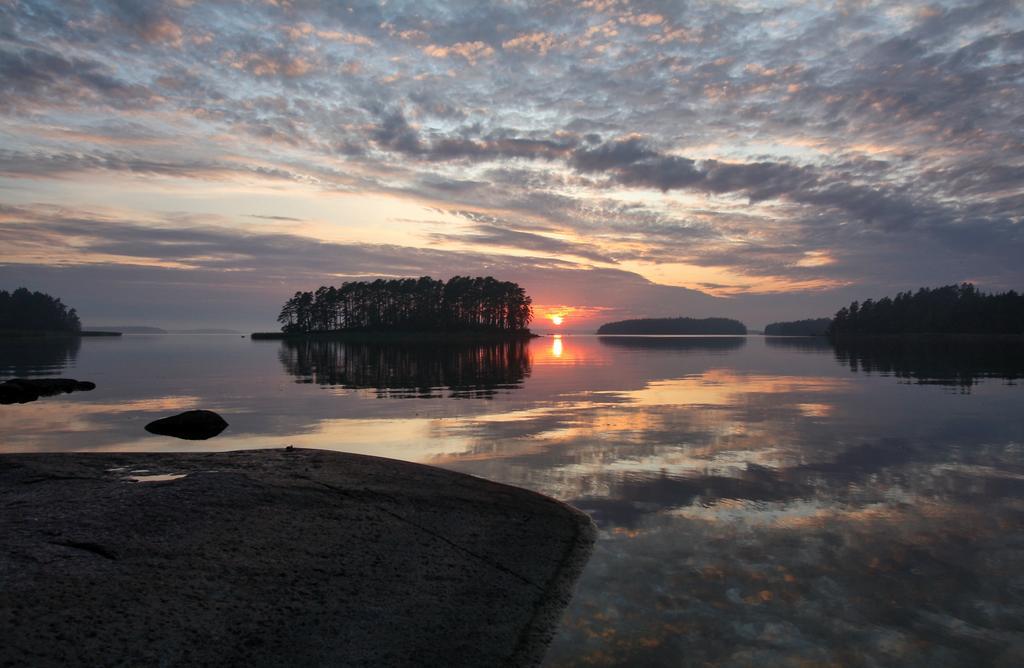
(26, 165)
(699, 143)
(77, 248)
(616, 154)
(271, 64)
(497, 235)
(537, 42)
(471, 51)
(33, 74)
(149, 20)
(284, 218)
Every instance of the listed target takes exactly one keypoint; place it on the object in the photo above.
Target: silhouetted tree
(410, 304)
(24, 310)
(951, 309)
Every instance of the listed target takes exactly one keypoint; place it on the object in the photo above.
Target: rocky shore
(278, 557)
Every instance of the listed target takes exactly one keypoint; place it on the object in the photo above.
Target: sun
(557, 319)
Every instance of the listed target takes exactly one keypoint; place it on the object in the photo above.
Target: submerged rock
(197, 425)
(24, 390)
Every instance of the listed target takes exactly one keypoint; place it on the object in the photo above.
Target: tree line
(951, 309)
(36, 311)
(809, 327)
(410, 304)
(707, 326)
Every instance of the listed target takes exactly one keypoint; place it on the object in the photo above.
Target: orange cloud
(302, 30)
(471, 51)
(263, 65)
(164, 31)
(539, 42)
(642, 20)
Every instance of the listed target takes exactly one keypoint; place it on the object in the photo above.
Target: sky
(194, 163)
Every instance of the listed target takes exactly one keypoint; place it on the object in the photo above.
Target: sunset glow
(556, 319)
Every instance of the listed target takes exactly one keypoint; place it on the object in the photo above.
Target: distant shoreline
(666, 336)
(403, 337)
(44, 334)
(674, 326)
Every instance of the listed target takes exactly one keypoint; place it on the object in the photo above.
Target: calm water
(760, 501)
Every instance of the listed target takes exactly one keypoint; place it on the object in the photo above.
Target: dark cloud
(487, 234)
(394, 132)
(33, 73)
(149, 20)
(285, 218)
(18, 164)
(616, 154)
(664, 173)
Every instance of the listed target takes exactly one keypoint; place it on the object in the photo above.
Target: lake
(774, 501)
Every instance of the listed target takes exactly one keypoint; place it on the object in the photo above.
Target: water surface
(774, 501)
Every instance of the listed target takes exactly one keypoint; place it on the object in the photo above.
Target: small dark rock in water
(24, 390)
(191, 425)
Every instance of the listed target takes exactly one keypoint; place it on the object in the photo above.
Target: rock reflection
(938, 361)
(37, 356)
(406, 370)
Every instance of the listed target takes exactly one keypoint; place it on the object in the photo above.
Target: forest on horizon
(950, 309)
(410, 304)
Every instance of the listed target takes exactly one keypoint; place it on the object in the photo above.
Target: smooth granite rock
(274, 558)
(197, 425)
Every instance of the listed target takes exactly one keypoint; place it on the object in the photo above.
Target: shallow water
(759, 500)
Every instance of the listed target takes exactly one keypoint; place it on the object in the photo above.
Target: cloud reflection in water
(758, 501)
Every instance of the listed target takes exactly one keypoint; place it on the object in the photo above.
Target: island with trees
(26, 313)
(809, 327)
(462, 308)
(961, 310)
(675, 326)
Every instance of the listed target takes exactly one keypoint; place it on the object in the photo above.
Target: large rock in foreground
(197, 425)
(24, 390)
(273, 558)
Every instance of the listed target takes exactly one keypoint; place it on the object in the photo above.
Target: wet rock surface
(270, 558)
(197, 425)
(24, 390)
